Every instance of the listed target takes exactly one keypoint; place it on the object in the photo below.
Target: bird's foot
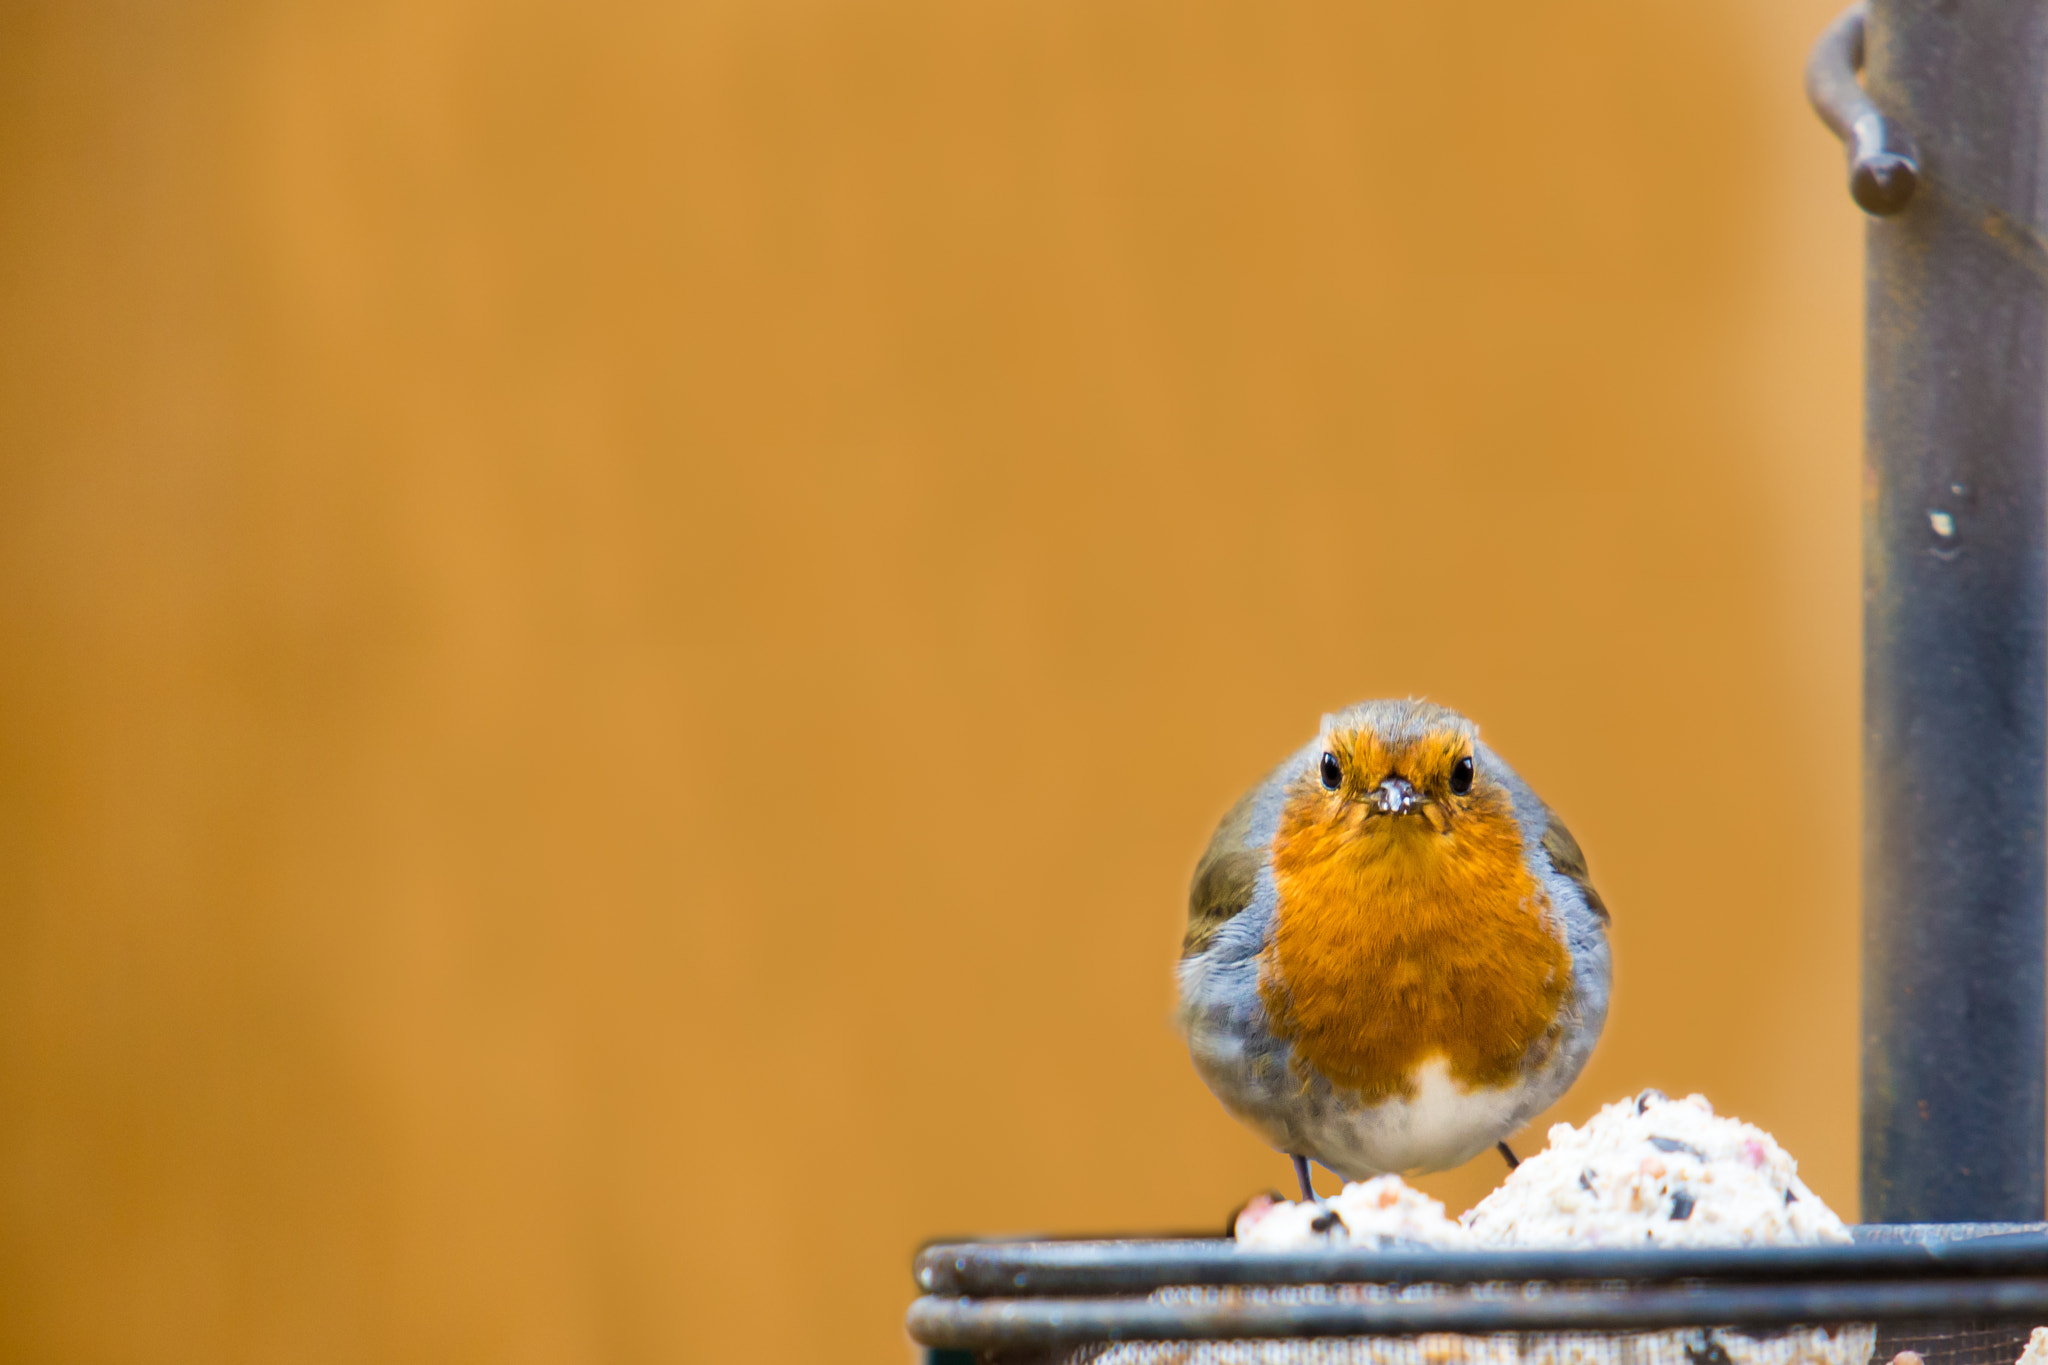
(1326, 1217)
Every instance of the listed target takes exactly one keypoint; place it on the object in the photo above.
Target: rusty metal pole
(1946, 154)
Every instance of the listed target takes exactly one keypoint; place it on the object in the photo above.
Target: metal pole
(1955, 562)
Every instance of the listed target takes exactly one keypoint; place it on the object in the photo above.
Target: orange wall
(619, 624)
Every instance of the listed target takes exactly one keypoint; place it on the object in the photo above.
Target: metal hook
(1884, 165)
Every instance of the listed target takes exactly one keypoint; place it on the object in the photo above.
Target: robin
(1394, 956)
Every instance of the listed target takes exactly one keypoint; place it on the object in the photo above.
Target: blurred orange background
(620, 624)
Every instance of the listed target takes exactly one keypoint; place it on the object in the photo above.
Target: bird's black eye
(1333, 776)
(1461, 777)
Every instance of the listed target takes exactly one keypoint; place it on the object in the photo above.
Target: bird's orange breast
(1394, 943)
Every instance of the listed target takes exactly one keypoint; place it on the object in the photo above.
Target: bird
(1394, 955)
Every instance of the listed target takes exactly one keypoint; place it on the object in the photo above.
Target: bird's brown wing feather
(1567, 858)
(1224, 879)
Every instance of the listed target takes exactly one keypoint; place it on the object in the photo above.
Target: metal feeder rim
(1026, 1269)
(1040, 1324)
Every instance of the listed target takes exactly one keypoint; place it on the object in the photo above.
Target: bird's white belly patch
(1444, 1125)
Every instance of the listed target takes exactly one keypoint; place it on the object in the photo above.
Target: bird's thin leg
(1509, 1153)
(1308, 1191)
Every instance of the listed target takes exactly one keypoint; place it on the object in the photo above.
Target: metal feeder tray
(1956, 1293)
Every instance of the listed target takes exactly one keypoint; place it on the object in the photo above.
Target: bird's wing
(1224, 879)
(1569, 861)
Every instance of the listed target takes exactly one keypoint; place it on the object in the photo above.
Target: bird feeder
(1944, 136)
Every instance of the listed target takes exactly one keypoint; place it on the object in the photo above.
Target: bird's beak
(1396, 796)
